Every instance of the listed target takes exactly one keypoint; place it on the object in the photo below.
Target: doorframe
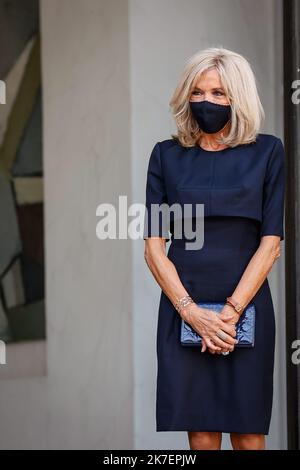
(291, 61)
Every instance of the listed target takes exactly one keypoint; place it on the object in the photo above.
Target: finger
(204, 347)
(228, 321)
(230, 349)
(223, 344)
(211, 345)
(226, 338)
(229, 329)
(213, 352)
(226, 316)
(219, 351)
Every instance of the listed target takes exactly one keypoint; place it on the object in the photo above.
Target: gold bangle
(237, 307)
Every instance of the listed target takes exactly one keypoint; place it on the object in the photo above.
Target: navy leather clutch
(245, 327)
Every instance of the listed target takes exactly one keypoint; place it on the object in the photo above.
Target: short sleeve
(274, 193)
(156, 219)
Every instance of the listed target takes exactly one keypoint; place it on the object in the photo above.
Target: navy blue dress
(242, 190)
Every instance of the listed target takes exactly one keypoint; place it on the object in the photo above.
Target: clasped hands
(212, 326)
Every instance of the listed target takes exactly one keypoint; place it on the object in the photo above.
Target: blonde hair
(239, 83)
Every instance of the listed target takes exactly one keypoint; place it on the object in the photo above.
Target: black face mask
(211, 117)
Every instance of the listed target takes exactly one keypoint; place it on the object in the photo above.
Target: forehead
(209, 78)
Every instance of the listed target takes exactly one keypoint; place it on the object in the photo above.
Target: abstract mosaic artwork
(22, 305)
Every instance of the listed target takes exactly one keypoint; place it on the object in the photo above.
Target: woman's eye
(217, 93)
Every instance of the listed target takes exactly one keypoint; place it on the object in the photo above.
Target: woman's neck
(210, 141)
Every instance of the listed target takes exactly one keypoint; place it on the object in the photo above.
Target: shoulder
(166, 144)
(273, 148)
(269, 141)
(162, 147)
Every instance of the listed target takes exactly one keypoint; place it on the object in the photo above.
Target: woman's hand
(211, 327)
(229, 315)
(212, 351)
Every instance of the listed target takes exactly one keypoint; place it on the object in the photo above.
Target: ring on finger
(221, 334)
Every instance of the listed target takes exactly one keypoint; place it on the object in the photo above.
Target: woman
(219, 159)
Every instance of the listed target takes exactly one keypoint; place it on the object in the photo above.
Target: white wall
(86, 398)
(163, 35)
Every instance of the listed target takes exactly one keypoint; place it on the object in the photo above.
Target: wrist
(187, 312)
(228, 310)
(236, 306)
(182, 303)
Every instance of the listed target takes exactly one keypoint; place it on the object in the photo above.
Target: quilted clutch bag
(245, 327)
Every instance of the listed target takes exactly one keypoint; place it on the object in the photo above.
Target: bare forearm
(166, 275)
(256, 272)
(205, 321)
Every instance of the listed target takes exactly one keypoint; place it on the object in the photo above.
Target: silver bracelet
(183, 302)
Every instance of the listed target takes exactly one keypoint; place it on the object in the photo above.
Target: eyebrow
(215, 89)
